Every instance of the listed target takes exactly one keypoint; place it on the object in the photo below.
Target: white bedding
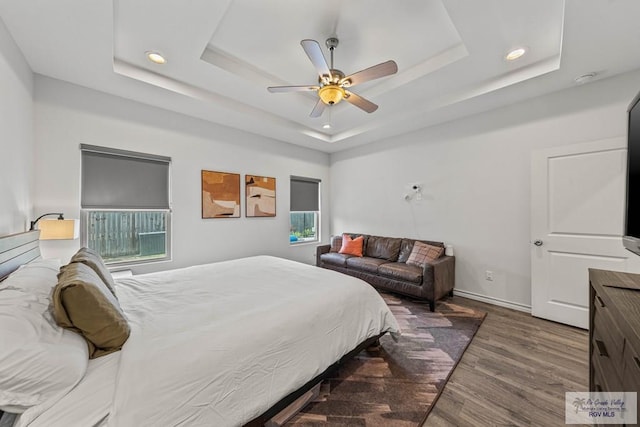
(88, 403)
(219, 344)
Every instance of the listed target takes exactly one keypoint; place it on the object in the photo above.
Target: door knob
(537, 242)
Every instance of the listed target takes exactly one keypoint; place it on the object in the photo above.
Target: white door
(577, 218)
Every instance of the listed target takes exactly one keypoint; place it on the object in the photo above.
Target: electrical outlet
(488, 275)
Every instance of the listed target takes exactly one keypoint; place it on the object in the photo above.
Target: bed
(226, 344)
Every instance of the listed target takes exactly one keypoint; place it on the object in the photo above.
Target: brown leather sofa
(383, 265)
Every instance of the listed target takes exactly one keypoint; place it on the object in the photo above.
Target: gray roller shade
(305, 194)
(118, 179)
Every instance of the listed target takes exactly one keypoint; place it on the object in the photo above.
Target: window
(125, 210)
(304, 210)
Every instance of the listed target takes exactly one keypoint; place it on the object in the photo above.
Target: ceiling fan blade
(318, 109)
(277, 89)
(360, 102)
(371, 73)
(314, 52)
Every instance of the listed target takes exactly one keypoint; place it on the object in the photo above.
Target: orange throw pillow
(351, 246)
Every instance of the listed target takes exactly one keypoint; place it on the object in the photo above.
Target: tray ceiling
(222, 55)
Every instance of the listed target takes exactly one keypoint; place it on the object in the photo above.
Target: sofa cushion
(423, 253)
(335, 258)
(401, 271)
(383, 247)
(336, 243)
(405, 250)
(352, 246)
(368, 264)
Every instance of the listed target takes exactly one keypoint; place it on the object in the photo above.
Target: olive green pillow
(92, 259)
(83, 303)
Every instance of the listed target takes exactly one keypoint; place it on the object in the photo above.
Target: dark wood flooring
(515, 372)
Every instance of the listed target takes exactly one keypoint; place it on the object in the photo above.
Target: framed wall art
(260, 193)
(220, 194)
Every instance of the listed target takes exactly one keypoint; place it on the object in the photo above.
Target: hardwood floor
(514, 373)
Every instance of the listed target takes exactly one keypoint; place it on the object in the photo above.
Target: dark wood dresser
(614, 331)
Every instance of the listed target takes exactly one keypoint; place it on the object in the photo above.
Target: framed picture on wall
(220, 194)
(260, 193)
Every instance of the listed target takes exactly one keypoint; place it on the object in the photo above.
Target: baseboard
(492, 300)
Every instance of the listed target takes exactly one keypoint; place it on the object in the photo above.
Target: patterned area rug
(397, 384)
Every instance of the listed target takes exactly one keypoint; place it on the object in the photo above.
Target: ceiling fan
(332, 85)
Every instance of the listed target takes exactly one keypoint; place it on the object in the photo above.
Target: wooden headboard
(18, 249)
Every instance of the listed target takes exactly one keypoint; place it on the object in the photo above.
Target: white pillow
(39, 361)
(36, 276)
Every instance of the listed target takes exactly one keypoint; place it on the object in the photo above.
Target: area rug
(396, 384)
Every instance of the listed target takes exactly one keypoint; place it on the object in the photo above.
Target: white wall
(68, 115)
(16, 136)
(476, 178)
(475, 173)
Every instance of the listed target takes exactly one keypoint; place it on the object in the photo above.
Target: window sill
(135, 263)
(304, 241)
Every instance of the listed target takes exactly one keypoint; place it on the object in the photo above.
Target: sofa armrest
(322, 249)
(444, 270)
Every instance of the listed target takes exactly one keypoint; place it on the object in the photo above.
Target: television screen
(632, 217)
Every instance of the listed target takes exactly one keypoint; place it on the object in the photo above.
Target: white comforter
(219, 344)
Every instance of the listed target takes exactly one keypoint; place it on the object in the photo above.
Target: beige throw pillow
(423, 253)
(82, 303)
(336, 243)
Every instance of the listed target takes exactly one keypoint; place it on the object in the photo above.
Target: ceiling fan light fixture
(333, 86)
(331, 94)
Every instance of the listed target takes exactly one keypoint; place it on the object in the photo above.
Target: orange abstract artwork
(220, 195)
(260, 192)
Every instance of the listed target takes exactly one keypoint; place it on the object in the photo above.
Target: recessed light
(584, 78)
(515, 54)
(326, 126)
(156, 58)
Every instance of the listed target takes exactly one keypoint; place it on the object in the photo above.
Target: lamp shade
(59, 229)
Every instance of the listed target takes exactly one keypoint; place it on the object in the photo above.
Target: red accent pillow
(352, 246)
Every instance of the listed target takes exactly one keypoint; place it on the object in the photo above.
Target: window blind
(304, 194)
(119, 179)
